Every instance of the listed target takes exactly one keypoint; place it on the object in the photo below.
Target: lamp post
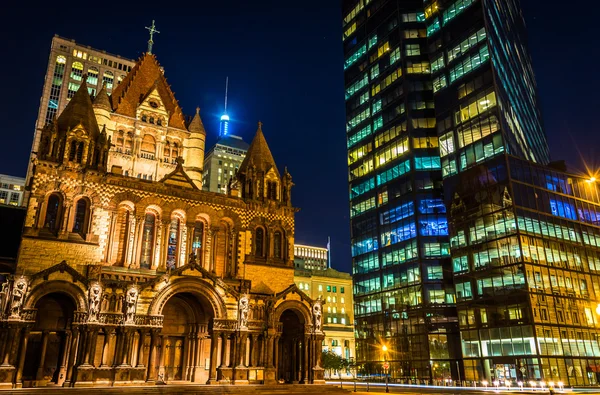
(385, 366)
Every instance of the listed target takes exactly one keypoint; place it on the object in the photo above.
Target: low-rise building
(335, 288)
(11, 190)
(310, 258)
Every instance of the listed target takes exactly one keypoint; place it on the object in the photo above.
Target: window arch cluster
(171, 151)
(153, 119)
(153, 228)
(124, 142)
(269, 244)
(76, 149)
(54, 215)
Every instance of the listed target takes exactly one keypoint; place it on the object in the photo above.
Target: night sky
(285, 67)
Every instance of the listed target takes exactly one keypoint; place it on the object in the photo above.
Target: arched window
(128, 143)
(277, 250)
(197, 240)
(81, 217)
(271, 190)
(73, 150)
(167, 150)
(92, 78)
(149, 144)
(53, 212)
(108, 78)
(77, 71)
(159, 122)
(144, 118)
(175, 152)
(120, 141)
(173, 245)
(151, 120)
(79, 156)
(259, 242)
(148, 241)
(122, 234)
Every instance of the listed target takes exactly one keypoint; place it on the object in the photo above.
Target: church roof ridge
(145, 76)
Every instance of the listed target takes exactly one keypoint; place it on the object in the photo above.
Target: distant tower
(224, 126)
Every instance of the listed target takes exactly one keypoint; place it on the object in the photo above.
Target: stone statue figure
(130, 305)
(318, 314)
(243, 308)
(18, 297)
(94, 300)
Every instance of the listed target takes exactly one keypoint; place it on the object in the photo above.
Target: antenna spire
(152, 30)
(226, 89)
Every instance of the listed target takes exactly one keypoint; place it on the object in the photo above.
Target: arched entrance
(47, 351)
(292, 352)
(185, 341)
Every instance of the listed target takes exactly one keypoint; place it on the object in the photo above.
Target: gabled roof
(143, 78)
(196, 125)
(179, 178)
(79, 111)
(259, 154)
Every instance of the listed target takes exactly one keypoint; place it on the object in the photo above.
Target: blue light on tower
(224, 125)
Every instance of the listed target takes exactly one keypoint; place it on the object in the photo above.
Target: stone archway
(47, 351)
(185, 350)
(291, 348)
(188, 344)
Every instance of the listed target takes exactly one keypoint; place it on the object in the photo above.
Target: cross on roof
(152, 30)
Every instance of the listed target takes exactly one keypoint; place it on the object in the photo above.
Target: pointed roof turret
(143, 78)
(259, 154)
(102, 100)
(80, 110)
(196, 125)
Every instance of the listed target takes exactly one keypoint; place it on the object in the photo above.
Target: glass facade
(404, 299)
(495, 276)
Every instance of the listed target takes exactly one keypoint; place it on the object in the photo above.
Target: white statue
(18, 297)
(243, 308)
(131, 305)
(94, 299)
(317, 314)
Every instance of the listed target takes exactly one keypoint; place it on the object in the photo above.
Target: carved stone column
(139, 231)
(214, 248)
(131, 241)
(111, 235)
(158, 246)
(140, 352)
(224, 337)
(214, 342)
(72, 355)
(109, 334)
(162, 264)
(8, 348)
(65, 356)
(22, 352)
(306, 353)
(152, 356)
(44, 346)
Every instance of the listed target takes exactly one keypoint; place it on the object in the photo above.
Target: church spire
(152, 30)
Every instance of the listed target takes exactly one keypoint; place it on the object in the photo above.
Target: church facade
(128, 273)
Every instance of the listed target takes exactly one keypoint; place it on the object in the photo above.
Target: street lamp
(385, 366)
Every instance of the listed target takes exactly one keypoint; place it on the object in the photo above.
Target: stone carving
(18, 297)
(243, 309)
(318, 314)
(131, 304)
(94, 300)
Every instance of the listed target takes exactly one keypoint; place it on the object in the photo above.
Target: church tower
(194, 149)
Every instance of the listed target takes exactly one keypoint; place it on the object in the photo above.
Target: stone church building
(128, 273)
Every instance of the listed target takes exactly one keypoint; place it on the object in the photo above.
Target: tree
(331, 361)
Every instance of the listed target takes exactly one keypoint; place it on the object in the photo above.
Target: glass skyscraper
(404, 299)
(454, 79)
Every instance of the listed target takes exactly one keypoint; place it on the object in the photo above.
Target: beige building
(222, 162)
(67, 63)
(129, 274)
(335, 288)
(310, 257)
(11, 190)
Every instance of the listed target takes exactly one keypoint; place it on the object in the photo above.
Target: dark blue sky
(284, 62)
